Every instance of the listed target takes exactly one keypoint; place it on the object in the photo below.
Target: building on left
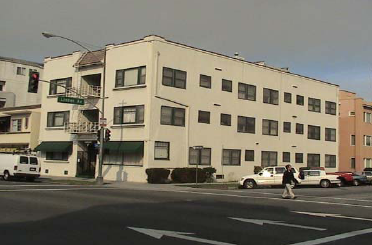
(19, 108)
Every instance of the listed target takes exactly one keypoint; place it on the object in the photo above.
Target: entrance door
(86, 165)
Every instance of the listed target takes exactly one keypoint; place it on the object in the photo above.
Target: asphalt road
(38, 213)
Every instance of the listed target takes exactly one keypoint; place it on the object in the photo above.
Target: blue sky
(325, 39)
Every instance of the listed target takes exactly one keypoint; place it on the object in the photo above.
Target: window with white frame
(231, 157)
(367, 140)
(58, 86)
(330, 134)
(270, 96)
(226, 85)
(62, 156)
(367, 162)
(58, 118)
(330, 108)
(352, 162)
(200, 156)
(269, 127)
(130, 77)
(330, 161)
(367, 117)
(21, 71)
(2, 85)
(314, 105)
(313, 160)
(352, 139)
(161, 151)
(129, 114)
(313, 132)
(174, 78)
(205, 81)
(204, 117)
(16, 125)
(225, 119)
(246, 125)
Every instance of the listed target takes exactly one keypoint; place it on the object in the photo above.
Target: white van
(19, 166)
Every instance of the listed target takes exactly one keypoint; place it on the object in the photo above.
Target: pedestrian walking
(288, 177)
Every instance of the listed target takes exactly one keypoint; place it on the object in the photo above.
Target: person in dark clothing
(288, 178)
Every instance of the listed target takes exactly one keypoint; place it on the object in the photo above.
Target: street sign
(103, 122)
(70, 100)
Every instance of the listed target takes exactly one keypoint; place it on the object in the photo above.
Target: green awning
(54, 146)
(121, 146)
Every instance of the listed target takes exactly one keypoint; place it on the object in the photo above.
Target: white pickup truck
(318, 177)
(268, 176)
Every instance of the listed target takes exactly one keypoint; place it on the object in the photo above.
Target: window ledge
(56, 161)
(128, 126)
(20, 132)
(130, 87)
(55, 128)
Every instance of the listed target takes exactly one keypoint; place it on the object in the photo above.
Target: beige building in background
(164, 97)
(355, 132)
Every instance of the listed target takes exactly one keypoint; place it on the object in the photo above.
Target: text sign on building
(69, 100)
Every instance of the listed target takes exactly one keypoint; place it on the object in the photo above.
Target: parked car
(368, 175)
(269, 176)
(318, 177)
(19, 166)
(350, 178)
(359, 178)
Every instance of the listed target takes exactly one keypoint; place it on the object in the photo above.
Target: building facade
(19, 128)
(163, 98)
(355, 132)
(14, 79)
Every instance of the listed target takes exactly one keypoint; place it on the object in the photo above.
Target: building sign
(70, 100)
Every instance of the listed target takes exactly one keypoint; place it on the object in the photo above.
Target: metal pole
(197, 166)
(99, 179)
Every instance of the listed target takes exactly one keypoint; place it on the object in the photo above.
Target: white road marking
(36, 185)
(66, 189)
(324, 215)
(272, 222)
(320, 197)
(335, 237)
(181, 235)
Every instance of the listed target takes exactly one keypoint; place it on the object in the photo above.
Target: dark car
(359, 178)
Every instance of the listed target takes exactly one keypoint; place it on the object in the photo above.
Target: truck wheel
(6, 175)
(356, 182)
(249, 184)
(325, 183)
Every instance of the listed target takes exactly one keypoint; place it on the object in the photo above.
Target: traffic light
(33, 82)
(107, 135)
(99, 135)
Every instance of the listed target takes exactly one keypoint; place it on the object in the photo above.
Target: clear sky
(329, 40)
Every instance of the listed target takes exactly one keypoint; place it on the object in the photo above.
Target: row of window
(233, 156)
(367, 162)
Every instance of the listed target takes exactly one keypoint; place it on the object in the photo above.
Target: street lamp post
(99, 179)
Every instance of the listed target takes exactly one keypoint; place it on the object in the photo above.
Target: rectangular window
(205, 81)
(314, 105)
(269, 158)
(367, 140)
(200, 157)
(204, 117)
(16, 125)
(249, 155)
(313, 160)
(129, 114)
(21, 71)
(161, 151)
(299, 128)
(226, 119)
(2, 85)
(352, 162)
(313, 132)
(287, 97)
(286, 127)
(246, 125)
(352, 139)
(61, 156)
(270, 96)
(300, 100)
(330, 134)
(130, 77)
(174, 78)
(26, 123)
(226, 85)
(231, 157)
(299, 157)
(367, 162)
(172, 116)
(59, 86)
(269, 127)
(246, 91)
(330, 108)
(351, 113)
(286, 157)
(367, 117)
(330, 161)
(58, 118)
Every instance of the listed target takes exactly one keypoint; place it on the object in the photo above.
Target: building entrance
(86, 165)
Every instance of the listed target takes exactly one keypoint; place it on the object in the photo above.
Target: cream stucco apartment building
(163, 98)
(19, 109)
